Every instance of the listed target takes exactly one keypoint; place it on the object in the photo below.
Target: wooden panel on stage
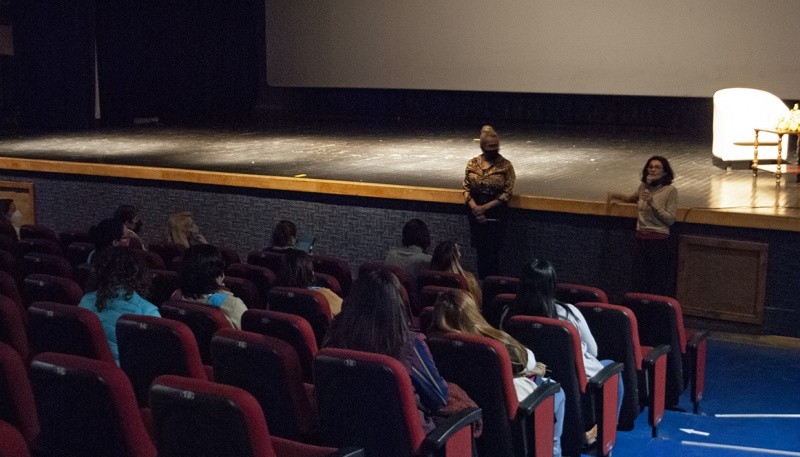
(722, 279)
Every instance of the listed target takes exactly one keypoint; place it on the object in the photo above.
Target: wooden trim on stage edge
(708, 216)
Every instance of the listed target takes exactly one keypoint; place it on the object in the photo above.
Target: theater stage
(558, 169)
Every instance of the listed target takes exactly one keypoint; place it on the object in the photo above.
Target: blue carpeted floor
(740, 379)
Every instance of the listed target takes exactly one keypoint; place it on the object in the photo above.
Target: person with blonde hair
(455, 312)
(488, 184)
(183, 230)
(447, 257)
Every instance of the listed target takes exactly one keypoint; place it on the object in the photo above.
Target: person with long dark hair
(299, 272)
(202, 280)
(373, 319)
(657, 204)
(118, 284)
(537, 297)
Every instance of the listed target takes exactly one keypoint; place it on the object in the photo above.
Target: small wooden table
(793, 169)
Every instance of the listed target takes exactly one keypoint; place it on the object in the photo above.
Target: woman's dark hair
(105, 233)
(299, 271)
(5, 204)
(126, 213)
(117, 271)
(201, 265)
(284, 234)
(537, 291)
(415, 233)
(373, 317)
(669, 175)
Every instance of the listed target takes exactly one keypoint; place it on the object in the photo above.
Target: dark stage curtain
(54, 52)
(180, 61)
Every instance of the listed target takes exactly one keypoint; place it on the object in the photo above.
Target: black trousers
(487, 239)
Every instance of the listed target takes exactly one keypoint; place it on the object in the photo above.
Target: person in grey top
(412, 255)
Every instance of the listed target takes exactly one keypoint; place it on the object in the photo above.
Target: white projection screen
(685, 48)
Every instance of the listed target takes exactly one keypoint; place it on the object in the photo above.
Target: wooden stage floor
(558, 169)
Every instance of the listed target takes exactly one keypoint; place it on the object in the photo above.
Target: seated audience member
(202, 280)
(132, 223)
(447, 257)
(373, 319)
(284, 236)
(300, 273)
(10, 218)
(537, 297)
(118, 283)
(412, 256)
(108, 232)
(455, 312)
(181, 229)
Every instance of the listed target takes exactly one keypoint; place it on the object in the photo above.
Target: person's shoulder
(88, 300)
(142, 302)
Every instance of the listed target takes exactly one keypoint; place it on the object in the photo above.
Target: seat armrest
(649, 360)
(697, 338)
(449, 427)
(529, 404)
(597, 381)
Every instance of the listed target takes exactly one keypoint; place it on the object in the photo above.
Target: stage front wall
(585, 249)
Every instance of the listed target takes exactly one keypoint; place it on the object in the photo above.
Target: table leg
(780, 154)
(754, 165)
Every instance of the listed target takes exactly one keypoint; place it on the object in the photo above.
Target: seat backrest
(185, 411)
(87, 407)
(616, 332)
(150, 259)
(73, 236)
(245, 290)
(269, 369)
(262, 277)
(8, 260)
(482, 367)
(337, 267)
(442, 279)
(275, 261)
(162, 285)
(660, 321)
(37, 231)
(44, 287)
(78, 252)
(151, 346)
(574, 293)
(13, 327)
(17, 406)
(201, 319)
(12, 443)
(67, 329)
(557, 344)
(42, 245)
(311, 305)
(327, 281)
(366, 400)
(169, 252)
(492, 287)
(37, 262)
(288, 327)
(8, 288)
(229, 255)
